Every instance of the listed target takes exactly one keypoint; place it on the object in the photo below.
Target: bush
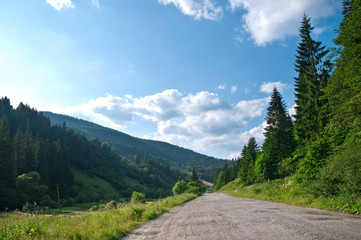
(82, 198)
(69, 202)
(46, 201)
(137, 197)
(342, 174)
(179, 187)
(195, 187)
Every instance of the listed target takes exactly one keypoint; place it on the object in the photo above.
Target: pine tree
(249, 155)
(194, 176)
(8, 172)
(313, 74)
(279, 143)
(344, 89)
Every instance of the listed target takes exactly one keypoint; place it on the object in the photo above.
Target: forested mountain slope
(36, 157)
(127, 145)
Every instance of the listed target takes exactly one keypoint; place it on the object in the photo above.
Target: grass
(101, 224)
(285, 191)
(93, 183)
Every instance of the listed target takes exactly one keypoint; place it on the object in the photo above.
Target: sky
(194, 73)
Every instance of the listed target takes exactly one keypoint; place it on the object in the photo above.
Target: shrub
(46, 201)
(137, 197)
(342, 174)
(179, 187)
(69, 202)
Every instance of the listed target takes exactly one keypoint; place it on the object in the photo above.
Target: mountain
(128, 146)
(38, 158)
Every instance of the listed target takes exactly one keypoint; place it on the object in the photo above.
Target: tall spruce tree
(344, 89)
(279, 143)
(247, 162)
(313, 73)
(8, 172)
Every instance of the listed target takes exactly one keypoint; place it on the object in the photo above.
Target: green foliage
(194, 176)
(180, 187)
(220, 180)
(342, 173)
(246, 166)
(103, 224)
(137, 197)
(287, 191)
(279, 143)
(327, 160)
(29, 187)
(176, 158)
(29, 143)
(69, 202)
(46, 201)
(313, 74)
(344, 89)
(195, 187)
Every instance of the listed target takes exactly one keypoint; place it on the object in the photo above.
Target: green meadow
(97, 223)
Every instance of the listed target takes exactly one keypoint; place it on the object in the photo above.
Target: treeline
(321, 147)
(35, 156)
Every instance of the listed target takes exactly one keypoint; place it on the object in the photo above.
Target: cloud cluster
(202, 121)
(198, 9)
(267, 21)
(267, 87)
(59, 4)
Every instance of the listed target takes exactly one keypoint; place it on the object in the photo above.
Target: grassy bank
(100, 224)
(285, 191)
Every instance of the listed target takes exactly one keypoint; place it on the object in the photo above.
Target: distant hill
(38, 158)
(127, 145)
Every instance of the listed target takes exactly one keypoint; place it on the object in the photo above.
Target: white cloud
(59, 4)
(222, 86)
(292, 111)
(198, 9)
(267, 87)
(202, 121)
(268, 21)
(233, 89)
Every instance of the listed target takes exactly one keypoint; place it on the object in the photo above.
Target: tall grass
(101, 224)
(286, 191)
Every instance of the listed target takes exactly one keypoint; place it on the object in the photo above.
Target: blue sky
(195, 73)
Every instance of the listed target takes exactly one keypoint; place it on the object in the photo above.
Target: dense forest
(184, 159)
(37, 158)
(320, 148)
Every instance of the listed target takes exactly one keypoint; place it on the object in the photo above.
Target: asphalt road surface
(220, 216)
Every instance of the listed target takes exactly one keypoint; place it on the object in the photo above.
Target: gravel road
(220, 216)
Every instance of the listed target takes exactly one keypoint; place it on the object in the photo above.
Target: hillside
(36, 158)
(129, 146)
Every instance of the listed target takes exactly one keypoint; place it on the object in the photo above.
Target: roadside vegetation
(110, 221)
(286, 191)
(313, 159)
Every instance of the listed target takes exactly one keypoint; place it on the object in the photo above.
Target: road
(220, 216)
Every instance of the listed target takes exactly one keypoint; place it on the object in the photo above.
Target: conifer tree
(313, 74)
(248, 159)
(7, 166)
(344, 89)
(279, 143)
(194, 177)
